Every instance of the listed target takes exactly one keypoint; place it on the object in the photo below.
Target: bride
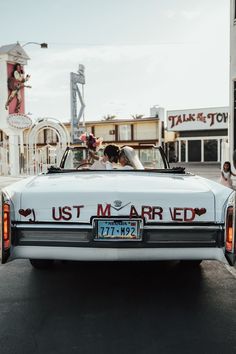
(129, 160)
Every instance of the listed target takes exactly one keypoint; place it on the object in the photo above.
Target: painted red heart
(25, 212)
(200, 211)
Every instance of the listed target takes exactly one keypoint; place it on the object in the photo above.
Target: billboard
(198, 119)
(16, 82)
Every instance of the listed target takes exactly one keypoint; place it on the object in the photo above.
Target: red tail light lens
(6, 226)
(229, 230)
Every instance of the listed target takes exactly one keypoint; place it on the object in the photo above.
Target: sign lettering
(197, 120)
(65, 213)
(147, 212)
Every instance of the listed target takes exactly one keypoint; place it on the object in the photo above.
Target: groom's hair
(112, 151)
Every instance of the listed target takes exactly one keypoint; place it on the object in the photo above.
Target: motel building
(197, 135)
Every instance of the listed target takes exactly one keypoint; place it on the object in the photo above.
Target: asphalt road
(210, 170)
(141, 308)
(117, 308)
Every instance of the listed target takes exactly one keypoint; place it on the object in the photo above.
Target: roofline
(197, 109)
(116, 121)
(7, 49)
(132, 120)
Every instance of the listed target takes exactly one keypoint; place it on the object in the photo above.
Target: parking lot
(207, 170)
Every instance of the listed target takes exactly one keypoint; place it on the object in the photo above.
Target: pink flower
(90, 140)
(83, 137)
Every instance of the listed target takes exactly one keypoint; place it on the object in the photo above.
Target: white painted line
(232, 270)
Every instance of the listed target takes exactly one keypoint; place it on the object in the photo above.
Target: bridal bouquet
(91, 141)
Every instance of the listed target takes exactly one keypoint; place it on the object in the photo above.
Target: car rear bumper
(153, 236)
(116, 254)
(159, 242)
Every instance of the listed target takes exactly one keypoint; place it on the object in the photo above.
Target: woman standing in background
(226, 175)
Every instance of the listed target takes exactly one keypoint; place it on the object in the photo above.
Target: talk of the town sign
(198, 119)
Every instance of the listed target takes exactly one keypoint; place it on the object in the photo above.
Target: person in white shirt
(110, 156)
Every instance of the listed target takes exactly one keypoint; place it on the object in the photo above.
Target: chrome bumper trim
(114, 254)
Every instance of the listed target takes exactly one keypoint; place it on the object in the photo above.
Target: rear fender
(230, 230)
(5, 228)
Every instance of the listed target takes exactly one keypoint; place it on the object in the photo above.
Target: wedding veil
(133, 158)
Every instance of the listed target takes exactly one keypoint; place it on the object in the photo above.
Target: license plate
(118, 230)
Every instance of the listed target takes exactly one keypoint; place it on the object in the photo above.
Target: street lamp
(42, 45)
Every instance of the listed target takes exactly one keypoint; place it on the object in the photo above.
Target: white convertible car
(159, 213)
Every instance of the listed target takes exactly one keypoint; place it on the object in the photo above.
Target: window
(40, 139)
(194, 150)
(47, 136)
(124, 132)
(74, 158)
(50, 136)
(183, 150)
(210, 150)
(151, 158)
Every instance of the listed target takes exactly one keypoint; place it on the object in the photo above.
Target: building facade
(127, 131)
(198, 135)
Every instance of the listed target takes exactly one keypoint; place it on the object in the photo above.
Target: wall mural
(16, 83)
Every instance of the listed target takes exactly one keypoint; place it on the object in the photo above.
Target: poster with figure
(16, 82)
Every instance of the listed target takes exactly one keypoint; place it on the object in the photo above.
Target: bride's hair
(131, 157)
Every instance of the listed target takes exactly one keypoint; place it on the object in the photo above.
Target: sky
(136, 53)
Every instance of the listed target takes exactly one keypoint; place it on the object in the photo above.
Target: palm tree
(137, 116)
(109, 117)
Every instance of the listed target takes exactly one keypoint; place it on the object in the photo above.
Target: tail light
(6, 226)
(229, 230)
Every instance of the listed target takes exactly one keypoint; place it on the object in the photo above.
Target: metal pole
(83, 110)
